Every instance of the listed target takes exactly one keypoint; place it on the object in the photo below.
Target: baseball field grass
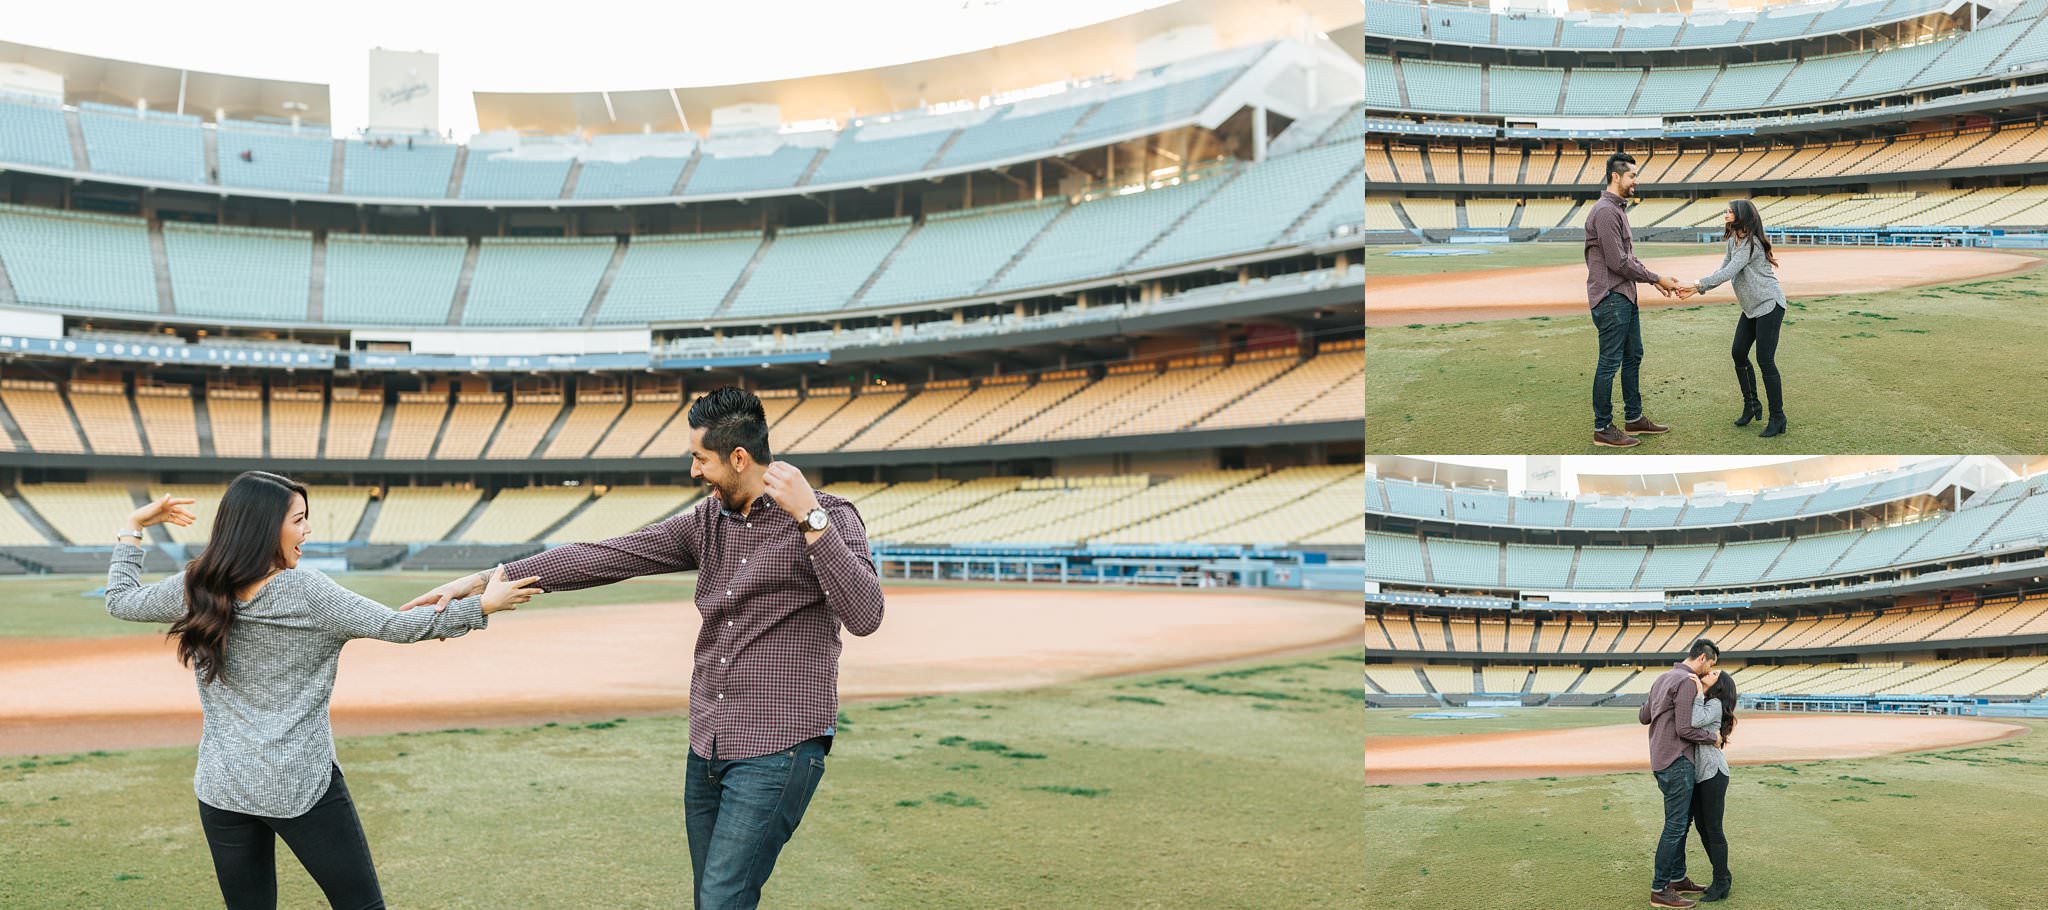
(1911, 831)
(1888, 372)
(1507, 256)
(1224, 786)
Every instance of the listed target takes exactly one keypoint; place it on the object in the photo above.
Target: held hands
(466, 586)
(501, 594)
(1667, 285)
(787, 486)
(163, 511)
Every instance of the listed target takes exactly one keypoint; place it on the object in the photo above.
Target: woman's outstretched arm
(344, 611)
(1738, 259)
(128, 598)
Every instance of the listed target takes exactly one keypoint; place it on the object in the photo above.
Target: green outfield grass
(1890, 372)
(1929, 831)
(1506, 256)
(60, 606)
(1219, 787)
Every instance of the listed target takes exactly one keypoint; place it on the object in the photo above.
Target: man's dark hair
(1618, 163)
(732, 418)
(1706, 646)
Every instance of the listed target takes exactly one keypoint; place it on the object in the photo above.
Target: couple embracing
(1690, 712)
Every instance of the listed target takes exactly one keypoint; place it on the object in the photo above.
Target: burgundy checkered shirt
(767, 671)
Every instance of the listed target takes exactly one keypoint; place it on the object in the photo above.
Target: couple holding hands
(1612, 272)
(781, 568)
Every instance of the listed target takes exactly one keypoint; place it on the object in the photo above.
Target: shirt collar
(1613, 197)
(754, 509)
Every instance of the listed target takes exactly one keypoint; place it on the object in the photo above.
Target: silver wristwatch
(124, 532)
(816, 520)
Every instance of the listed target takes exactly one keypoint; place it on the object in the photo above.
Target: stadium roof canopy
(164, 88)
(1102, 49)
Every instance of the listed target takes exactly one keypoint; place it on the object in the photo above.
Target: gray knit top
(1756, 284)
(266, 747)
(1707, 757)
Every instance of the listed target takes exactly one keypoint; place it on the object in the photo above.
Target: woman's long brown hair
(1724, 689)
(241, 551)
(1750, 224)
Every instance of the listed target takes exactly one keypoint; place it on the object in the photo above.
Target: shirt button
(728, 622)
(728, 592)
(743, 560)
(721, 660)
(721, 696)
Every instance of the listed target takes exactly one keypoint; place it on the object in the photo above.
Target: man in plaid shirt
(780, 568)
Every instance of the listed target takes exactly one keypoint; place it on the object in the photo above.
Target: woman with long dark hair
(1748, 262)
(262, 637)
(1713, 709)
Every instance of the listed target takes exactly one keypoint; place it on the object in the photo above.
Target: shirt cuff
(468, 612)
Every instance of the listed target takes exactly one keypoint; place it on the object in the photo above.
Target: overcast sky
(586, 46)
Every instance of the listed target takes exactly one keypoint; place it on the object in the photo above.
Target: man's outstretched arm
(666, 546)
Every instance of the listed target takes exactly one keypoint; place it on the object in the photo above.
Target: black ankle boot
(1717, 890)
(1751, 410)
(1775, 427)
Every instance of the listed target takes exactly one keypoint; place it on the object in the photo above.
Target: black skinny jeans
(1709, 801)
(328, 839)
(1762, 332)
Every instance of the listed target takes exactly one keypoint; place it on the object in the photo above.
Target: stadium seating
(415, 424)
(103, 413)
(33, 132)
(1019, 131)
(623, 510)
(717, 174)
(1254, 208)
(955, 253)
(420, 171)
(84, 513)
(236, 419)
(278, 160)
(866, 152)
(1097, 238)
(168, 420)
(587, 422)
(409, 514)
(535, 281)
(663, 278)
(807, 270)
(155, 146)
(351, 426)
(505, 176)
(251, 274)
(470, 424)
(834, 430)
(525, 423)
(524, 513)
(77, 261)
(387, 280)
(636, 426)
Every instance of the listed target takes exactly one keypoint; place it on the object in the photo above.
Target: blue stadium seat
(77, 261)
(422, 171)
(954, 253)
(388, 280)
(158, 146)
(535, 281)
(682, 277)
(816, 269)
(33, 132)
(277, 160)
(254, 274)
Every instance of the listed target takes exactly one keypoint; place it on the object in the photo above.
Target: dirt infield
(1760, 739)
(70, 695)
(1560, 290)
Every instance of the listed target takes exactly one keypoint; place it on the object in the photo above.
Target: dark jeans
(740, 812)
(1763, 333)
(1621, 349)
(327, 839)
(1709, 801)
(1676, 783)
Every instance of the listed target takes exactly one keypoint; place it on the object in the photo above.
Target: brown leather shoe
(1644, 426)
(1613, 438)
(1685, 886)
(1670, 898)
